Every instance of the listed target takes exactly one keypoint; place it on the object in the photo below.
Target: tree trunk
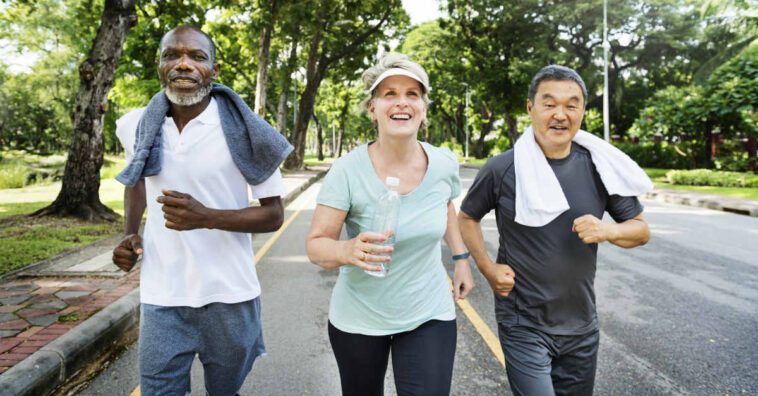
(319, 138)
(478, 146)
(512, 123)
(281, 109)
(263, 57)
(343, 114)
(307, 101)
(79, 195)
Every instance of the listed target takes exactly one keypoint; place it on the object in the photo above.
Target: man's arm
(127, 252)
(627, 234)
(183, 212)
(499, 276)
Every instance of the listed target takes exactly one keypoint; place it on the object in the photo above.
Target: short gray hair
(556, 72)
(389, 61)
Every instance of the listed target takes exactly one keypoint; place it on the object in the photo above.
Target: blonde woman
(410, 311)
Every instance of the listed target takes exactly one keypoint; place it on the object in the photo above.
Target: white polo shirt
(198, 267)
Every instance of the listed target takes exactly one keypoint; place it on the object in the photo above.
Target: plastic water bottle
(385, 220)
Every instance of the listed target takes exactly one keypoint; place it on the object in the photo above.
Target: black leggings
(422, 360)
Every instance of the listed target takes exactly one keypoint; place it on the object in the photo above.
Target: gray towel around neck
(256, 147)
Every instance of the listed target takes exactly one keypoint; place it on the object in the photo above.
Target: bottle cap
(392, 181)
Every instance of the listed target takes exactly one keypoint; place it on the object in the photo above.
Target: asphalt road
(677, 315)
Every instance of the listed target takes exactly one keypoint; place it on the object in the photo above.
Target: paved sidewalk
(58, 315)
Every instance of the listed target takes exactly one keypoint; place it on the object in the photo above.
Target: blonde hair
(389, 61)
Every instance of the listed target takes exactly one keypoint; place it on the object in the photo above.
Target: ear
(371, 112)
(529, 107)
(216, 70)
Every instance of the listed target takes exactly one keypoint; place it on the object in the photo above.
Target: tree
(79, 195)
(338, 32)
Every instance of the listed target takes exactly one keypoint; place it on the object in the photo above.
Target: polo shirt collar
(209, 116)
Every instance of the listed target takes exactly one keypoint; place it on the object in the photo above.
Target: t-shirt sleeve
(482, 196)
(335, 189)
(126, 132)
(623, 208)
(453, 174)
(272, 187)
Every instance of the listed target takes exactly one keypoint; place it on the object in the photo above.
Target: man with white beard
(191, 154)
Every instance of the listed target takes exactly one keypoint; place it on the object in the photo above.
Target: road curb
(48, 368)
(94, 339)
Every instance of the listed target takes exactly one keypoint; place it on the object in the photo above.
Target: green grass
(472, 160)
(658, 176)
(25, 240)
(19, 169)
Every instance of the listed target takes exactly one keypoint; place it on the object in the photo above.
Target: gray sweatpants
(541, 364)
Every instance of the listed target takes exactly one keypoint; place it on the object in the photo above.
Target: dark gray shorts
(227, 338)
(540, 364)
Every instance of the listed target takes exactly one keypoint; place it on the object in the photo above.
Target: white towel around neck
(539, 196)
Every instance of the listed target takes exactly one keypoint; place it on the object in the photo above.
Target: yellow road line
(270, 242)
(266, 246)
(487, 335)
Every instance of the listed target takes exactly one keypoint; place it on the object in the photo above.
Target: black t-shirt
(555, 270)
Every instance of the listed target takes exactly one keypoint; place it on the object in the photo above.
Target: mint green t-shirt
(416, 289)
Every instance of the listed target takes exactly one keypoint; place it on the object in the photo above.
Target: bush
(661, 155)
(707, 177)
(12, 175)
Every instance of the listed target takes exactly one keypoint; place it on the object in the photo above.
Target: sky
(421, 11)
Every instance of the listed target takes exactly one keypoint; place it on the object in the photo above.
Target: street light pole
(606, 45)
(465, 126)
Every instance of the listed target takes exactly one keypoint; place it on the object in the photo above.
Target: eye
(549, 105)
(572, 107)
(389, 92)
(199, 58)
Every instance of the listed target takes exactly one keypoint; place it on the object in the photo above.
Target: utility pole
(606, 45)
(465, 126)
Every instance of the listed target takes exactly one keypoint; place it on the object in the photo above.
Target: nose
(559, 114)
(183, 64)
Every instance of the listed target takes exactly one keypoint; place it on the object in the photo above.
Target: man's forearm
(631, 233)
(471, 231)
(265, 218)
(134, 206)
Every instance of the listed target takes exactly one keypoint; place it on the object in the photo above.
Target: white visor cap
(396, 71)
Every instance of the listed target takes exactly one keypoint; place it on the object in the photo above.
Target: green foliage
(733, 93)
(593, 122)
(36, 104)
(672, 111)
(707, 177)
(662, 155)
(12, 174)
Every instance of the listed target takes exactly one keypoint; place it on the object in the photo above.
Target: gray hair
(196, 29)
(389, 61)
(556, 72)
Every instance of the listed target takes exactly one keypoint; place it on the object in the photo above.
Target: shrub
(12, 175)
(707, 177)
(661, 155)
